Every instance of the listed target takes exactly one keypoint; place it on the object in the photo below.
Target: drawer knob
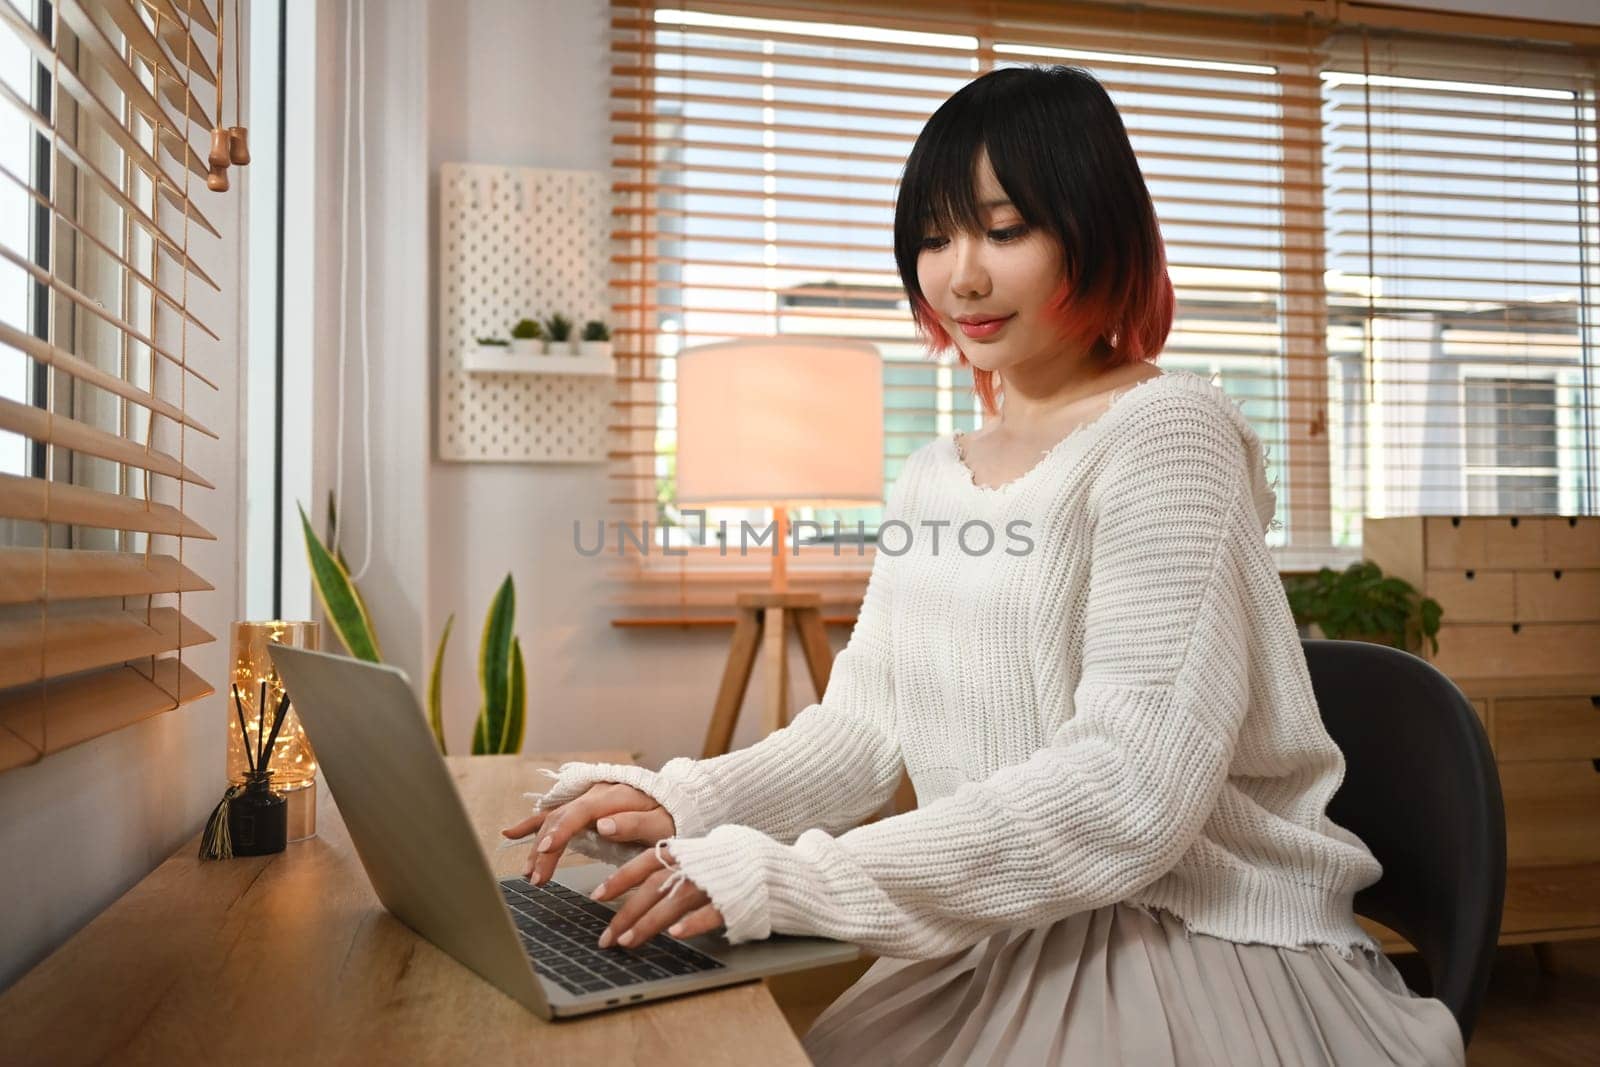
(1455, 520)
(1471, 575)
(1596, 764)
(1594, 701)
(1558, 575)
(1516, 627)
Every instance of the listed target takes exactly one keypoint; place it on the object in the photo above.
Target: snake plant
(502, 674)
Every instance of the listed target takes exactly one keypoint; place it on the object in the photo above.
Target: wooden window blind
(757, 146)
(101, 113)
(1464, 260)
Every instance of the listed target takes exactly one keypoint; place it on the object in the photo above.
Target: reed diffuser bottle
(251, 819)
(292, 762)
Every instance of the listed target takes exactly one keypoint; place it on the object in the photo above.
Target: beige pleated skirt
(1129, 985)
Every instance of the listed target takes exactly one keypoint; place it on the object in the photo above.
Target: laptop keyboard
(559, 928)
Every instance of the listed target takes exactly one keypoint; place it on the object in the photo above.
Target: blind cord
(355, 81)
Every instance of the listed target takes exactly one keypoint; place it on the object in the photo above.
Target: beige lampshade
(790, 420)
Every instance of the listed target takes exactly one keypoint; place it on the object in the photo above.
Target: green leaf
(480, 744)
(516, 704)
(331, 538)
(435, 702)
(494, 663)
(341, 602)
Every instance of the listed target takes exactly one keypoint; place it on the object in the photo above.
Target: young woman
(1120, 852)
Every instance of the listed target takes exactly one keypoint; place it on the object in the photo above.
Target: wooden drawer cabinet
(1521, 637)
(1520, 593)
(1545, 732)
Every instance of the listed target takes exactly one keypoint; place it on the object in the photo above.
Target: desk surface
(291, 957)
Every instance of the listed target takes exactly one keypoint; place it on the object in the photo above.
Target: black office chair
(1422, 790)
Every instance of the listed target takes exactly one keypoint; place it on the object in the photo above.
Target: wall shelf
(492, 359)
(519, 242)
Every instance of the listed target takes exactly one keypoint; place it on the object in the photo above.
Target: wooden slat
(57, 645)
(39, 425)
(1265, 90)
(67, 363)
(33, 500)
(28, 576)
(1097, 27)
(1352, 101)
(649, 116)
(38, 720)
(1309, 84)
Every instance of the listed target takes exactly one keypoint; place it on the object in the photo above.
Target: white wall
(526, 84)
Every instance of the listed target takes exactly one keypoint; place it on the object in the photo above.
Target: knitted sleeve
(1123, 788)
(834, 764)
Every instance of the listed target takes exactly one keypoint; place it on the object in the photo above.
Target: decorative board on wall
(520, 242)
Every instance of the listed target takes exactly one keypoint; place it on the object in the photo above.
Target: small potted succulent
(559, 329)
(1361, 603)
(493, 342)
(596, 341)
(525, 338)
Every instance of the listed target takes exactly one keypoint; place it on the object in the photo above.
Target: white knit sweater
(1118, 712)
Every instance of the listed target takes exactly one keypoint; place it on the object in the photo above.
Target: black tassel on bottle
(217, 843)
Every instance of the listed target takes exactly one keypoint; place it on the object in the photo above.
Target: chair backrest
(1421, 789)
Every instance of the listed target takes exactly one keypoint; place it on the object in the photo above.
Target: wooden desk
(290, 958)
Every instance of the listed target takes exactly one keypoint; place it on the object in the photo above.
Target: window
(1329, 278)
(21, 78)
(1512, 456)
(1462, 243)
(100, 351)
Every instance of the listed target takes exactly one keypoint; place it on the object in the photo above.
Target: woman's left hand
(686, 910)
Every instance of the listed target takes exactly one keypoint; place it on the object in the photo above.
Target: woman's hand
(683, 911)
(619, 813)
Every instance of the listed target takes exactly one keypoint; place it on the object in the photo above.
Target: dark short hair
(1060, 151)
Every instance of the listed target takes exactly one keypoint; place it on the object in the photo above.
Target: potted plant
(525, 338)
(1360, 603)
(596, 340)
(502, 675)
(495, 345)
(559, 328)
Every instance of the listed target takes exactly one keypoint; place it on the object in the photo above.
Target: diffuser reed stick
(261, 722)
(244, 735)
(277, 724)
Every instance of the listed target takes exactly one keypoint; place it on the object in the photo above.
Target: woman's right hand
(618, 813)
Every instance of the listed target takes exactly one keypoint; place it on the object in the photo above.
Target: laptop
(536, 944)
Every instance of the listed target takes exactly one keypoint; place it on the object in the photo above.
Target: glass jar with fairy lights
(257, 691)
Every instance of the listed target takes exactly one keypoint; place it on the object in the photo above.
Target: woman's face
(1004, 278)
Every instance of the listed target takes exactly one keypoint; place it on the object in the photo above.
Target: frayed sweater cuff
(678, 787)
(730, 865)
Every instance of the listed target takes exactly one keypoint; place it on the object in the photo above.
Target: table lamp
(777, 422)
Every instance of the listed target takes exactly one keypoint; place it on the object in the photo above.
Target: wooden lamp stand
(764, 622)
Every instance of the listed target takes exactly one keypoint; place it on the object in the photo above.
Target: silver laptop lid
(409, 826)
